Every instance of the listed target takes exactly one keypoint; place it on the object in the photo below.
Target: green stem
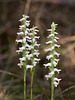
(32, 73)
(24, 83)
(52, 88)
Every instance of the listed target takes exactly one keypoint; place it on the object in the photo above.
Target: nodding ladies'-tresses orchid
(53, 61)
(28, 40)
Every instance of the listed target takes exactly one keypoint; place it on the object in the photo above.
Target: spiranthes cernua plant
(52, 58)
(29, 53)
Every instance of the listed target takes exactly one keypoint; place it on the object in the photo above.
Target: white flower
(20, 33)
(25, 16)
(22, 19)
(56, 81)
(36, 53)
(19, 41)
(46, 65)
(56, 59)
(20, 65)
(56, 37)
(26, 32)
(27, 24)
(36, 30)
(36, 50)
(29, 47)
(49, 29)
(33, 28)
(56, 45)
(30, 34)
(29, 41)
(28, 56)
(18, 51)
(36, 59)
(22, 59)
(36, 27)
(48, 42)
(51, 74)
(56, 84)
(55, 63)
(55, 40)
(35, 33)
(24, 40)
(29, 66)
(36, 37)
(28, 37)
(50, 35)
(21, 27)
(50, 56)
(55, 33)
(36, 44)
(34, 63)
(49, 49)
(57, 54)
(47, 76)
(22, 48)
(57, 70)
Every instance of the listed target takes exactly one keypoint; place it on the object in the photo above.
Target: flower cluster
(34, 52)
(28, 43)
(53, 61)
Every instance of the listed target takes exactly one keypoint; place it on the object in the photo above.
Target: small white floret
(50, 35)
(25, 16)
(51, 74)
(56, 53)
(48, 42)
(27, 37)
(36, 37)
(49, 29)
(22, 19)
(29, 66)
(24, 40)
(56, 37)
(50, 56)
(20, 33)
(37, 45)
(55, 33)
(21, 27)
(47, 76)
(56, 60)
(28, 56)
(19, 41)
(47, 65)
(36, 59)
(36, 53)
(49, 49)
(57, 70)
(55, 40)
(22, 59)
(56, 45)
(20, 65)
(55, 63)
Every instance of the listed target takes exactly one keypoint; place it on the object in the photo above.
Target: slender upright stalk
(24, 83)
(52, 88)
(34, 52)
(32, 73)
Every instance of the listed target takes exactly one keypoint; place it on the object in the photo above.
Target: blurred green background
(42, 13)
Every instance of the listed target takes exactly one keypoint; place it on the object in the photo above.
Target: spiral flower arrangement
(29, 53)
(52, 58)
